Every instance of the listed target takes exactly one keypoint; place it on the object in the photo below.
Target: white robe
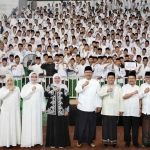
(33, 105)
(10, 124)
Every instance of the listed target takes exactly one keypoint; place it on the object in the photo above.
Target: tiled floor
(85, 146)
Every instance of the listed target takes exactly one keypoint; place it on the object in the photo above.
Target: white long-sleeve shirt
(18, 71)
(80, 69)
(99, 71)
(88, 99)
(145, 98)
(120, 72)
(131, 105)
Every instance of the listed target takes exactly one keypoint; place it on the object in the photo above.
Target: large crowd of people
(107, 40)
(66, 37)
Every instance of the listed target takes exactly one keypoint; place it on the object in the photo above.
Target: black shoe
(115, 145)
(137, 145)
(127, 145)
(104, 145)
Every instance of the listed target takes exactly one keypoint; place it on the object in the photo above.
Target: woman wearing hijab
(33, 105)
(10, 124)
(57, 109)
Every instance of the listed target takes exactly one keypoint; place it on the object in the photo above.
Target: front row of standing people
(34, 105)
(129, 102)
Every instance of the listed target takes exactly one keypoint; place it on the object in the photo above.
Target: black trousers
(131, 122)
(85, 129)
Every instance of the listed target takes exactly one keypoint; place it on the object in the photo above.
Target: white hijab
(30, 81)
(60, 85)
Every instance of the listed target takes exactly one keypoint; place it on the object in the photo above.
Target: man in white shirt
(88, 103)
(112, 107)
(98, 69)
(4, 70)
(37, 69)
(131, 114)
(17, 71)
(144, 94)
(80, 68)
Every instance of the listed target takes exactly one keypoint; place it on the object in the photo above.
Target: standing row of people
(130, 102)
(34, 105)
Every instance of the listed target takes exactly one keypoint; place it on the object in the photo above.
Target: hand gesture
(99, 77)
(120, 113)
(98, 109)
(135, 92)
(56, 89)
(14, 66)
(86, 83)
(66, 113)
(12, 88)
(110, 90)
(33, 88)
(146, 90)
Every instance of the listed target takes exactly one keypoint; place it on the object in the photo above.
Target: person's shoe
(61, 147)
(79, 145)
(93, 145)
(52, 147)
(143, 146)
(104, 145)
(127, 145)
(115, 145)
(137, 145)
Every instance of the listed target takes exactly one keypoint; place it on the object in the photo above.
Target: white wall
(6, 6)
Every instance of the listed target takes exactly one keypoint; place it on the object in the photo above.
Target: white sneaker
(61, 147)
(52, 147)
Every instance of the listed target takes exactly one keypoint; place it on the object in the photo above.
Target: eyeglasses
(33, 76)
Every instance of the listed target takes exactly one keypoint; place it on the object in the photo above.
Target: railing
(71, 83)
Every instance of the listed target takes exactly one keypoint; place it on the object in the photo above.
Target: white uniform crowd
(77, 34)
